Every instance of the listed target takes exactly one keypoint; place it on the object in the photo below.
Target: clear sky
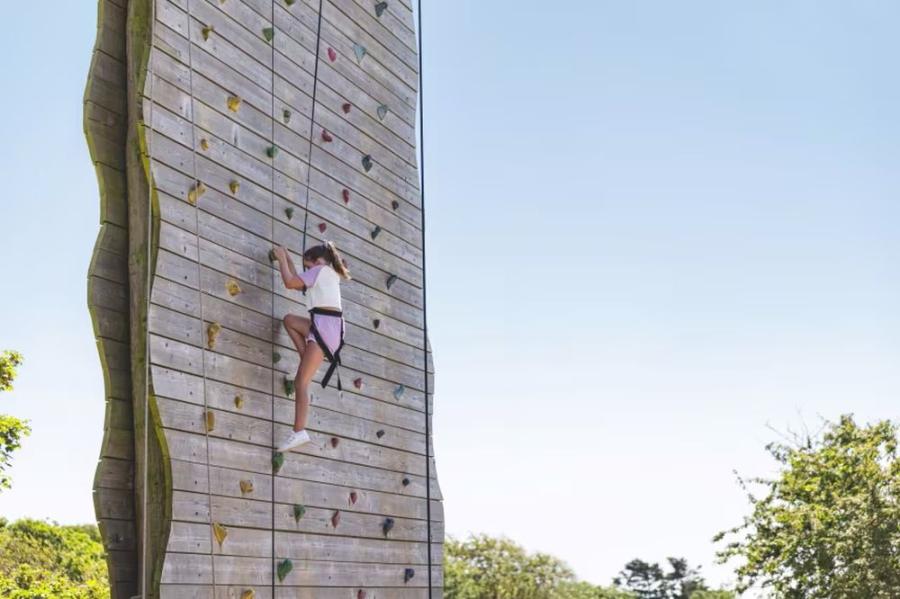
(655, 229)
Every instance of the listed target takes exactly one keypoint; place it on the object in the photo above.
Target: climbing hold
(275, 357)
(195, 192)
(346, 106)
(207, 29)
(268, 33)
(322, 227)
(289, 212)
(277, 461)
(336, 518)
(380, 8)
(210, 420)
(376, 323)
(382, 111)
(398, 391)
(408, 574)
(271, 151)
(288, 387)
(212, 331)
(248, 594)
(332, 55)
(352, 497)
(395, 204)
(284, 568)
(204, 144)
(405, 482)
(375, 232)
(379, 433)
(367, 162)
(272, 256)
(335, 441)
(289, 2)
(232, 287)
(390, 281)
(234, 186)
(360, 594)
(359, 51)
(234, 103)
(220, 532)
(238, 402)
(299, 510)
(286, 115)
(387, 526)
(246, 486)
(357, 382)
(326, 136)
(346, 195)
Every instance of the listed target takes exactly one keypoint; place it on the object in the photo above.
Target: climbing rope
(424, 298)
(196, 189)
(274, 282)
(312, 125)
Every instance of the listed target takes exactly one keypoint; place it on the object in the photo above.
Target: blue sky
(655, 229)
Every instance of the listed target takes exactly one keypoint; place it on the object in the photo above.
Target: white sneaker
(296, 439)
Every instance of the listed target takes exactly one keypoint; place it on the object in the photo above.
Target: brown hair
(331, 256)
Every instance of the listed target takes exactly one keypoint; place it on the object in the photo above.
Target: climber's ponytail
(331, 256)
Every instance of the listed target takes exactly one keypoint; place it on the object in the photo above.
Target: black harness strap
(333, 358)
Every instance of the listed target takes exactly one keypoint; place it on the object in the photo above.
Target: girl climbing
(322, 334)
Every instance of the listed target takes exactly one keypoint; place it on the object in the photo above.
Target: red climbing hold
(336, 518)
(326, 136)
(334, 441)
(352, 497)
(322, 227)
(357, 383)
(346, 107)
(346, 195)
(332, 55)
(360, 594)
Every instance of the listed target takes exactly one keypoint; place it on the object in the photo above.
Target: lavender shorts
(331, 328)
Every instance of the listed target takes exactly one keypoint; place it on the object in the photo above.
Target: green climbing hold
(284, 568)
(275, 357)
(268, 33)
(398, 392)
(289, 212)
(379, 433)
(277, 461)
(376, 323)
(286, 115)
(207, 29)
(387, 526)
(367, 162)
(289, 2)
(395, 204)
(380, 8)
(272, 256)
(405, 482)
(288, 387)
(271, 151)
(360, 52)
(375, 232)
(382, 111)
(299, 510)
(390, 281)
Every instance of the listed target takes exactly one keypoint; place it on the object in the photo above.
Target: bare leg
(312, 359)
(297, 329)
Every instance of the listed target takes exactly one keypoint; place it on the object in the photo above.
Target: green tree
(484, 567)
(828, 525)
(12, 429)
(43, 560)
(651, 581)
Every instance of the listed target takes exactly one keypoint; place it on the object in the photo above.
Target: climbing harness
(334, 358)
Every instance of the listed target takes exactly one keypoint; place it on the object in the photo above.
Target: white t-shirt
(323, 287)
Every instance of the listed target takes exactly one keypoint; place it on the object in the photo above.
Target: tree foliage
(43, 560)
(12, 429)
(828, 525)
(679, 581)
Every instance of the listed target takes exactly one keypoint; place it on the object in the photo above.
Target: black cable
(312, 125)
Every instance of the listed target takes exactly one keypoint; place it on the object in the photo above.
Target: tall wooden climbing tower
(219, 128)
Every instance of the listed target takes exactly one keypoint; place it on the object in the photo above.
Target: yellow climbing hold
(232, 287)
(238, 402)
(210, 420)
(246, 486)
(207, 29)
(234, 103)
(212, 331)
(220, 532)
(234, 186)
(195, 192)
(248, 594)
(204, 144)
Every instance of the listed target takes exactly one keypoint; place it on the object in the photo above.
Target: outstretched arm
(288, 272)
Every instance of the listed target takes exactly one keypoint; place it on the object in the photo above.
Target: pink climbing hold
(336, 518)
(346, 195)
(334, 441)
(357, 383)
(332, 55)
(346, 107)
(360, 594)
(352, 497)
(322, 227)
(326, 136)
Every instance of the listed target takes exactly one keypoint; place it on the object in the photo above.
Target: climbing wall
(239, 125)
